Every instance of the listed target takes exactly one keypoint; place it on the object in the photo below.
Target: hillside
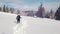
(28, 25)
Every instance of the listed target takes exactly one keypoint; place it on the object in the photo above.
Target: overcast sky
(31, 4)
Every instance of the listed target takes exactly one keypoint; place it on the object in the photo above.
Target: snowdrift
(7, 22)
(28, 25)
(31, 25)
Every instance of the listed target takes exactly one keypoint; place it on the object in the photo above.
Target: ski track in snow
(28, 25)
(38, 26)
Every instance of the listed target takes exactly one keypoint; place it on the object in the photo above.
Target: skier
(18, 18)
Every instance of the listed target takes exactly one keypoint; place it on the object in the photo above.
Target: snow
(28, 25)
(31, 25)
(7, 22)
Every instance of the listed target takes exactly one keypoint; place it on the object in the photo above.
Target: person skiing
(18, 18)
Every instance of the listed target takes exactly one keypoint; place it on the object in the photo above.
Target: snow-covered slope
(31, 25)
(7, 22)
(28, 25)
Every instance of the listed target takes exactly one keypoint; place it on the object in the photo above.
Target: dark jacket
(18, 17)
